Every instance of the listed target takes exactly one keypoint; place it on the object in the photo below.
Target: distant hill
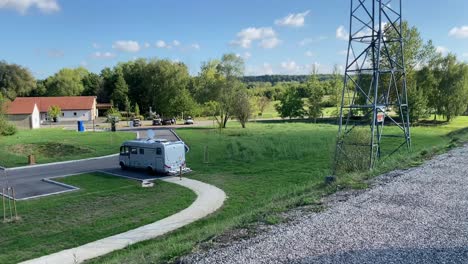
(273, 79)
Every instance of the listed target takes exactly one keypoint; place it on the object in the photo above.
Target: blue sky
(273, 36)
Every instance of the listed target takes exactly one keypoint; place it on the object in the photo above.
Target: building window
(142, 151)
(158, 151)
(63, 114)
(74, 113)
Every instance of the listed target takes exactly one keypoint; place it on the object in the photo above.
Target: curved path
(208, 201)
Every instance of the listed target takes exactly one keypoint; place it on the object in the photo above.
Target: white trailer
(154, 155)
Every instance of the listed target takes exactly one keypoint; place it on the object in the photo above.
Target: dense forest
(273, 79)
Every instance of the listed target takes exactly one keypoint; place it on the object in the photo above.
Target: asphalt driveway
(28, 181)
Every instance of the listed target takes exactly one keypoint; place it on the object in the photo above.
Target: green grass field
(266, 169)
(50, 145)
(105, 205)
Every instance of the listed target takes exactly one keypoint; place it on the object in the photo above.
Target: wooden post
(180, 172)
(9, 203)
(4, 205)
(31, 159)
(14, 202)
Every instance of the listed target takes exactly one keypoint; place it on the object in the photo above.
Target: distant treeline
(273, 79)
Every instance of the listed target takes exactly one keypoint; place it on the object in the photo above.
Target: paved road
(28, 183)
(414, 216)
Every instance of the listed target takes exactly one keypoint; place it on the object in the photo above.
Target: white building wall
(72, 115)
(35, 118)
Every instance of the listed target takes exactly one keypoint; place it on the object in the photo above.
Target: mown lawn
(105, 205)
(51, 145)
(266, 169)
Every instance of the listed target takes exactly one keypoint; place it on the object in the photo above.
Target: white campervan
(154, 155)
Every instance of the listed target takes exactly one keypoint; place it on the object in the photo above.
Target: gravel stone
(414, 216)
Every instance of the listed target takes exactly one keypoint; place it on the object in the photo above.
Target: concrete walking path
(209, 199)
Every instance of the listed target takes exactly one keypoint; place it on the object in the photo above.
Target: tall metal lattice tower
(374, 95)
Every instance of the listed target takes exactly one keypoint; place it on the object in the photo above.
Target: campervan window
(142, 151)
(124, 150)
(158, 151)
(133, 151)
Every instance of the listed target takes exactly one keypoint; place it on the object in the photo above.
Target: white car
(188, 121)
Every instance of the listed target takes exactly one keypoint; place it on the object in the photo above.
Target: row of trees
(158, 86)
(437, 84)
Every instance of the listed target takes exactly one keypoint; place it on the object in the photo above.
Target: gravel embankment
(419, 216)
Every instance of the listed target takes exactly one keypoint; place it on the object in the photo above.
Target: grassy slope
(105, 205)
(94, 144)
(265, 169)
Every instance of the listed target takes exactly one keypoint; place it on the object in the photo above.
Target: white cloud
(244, 56)
(161, 44)
(146, 45)
(126, 45)
(293, 20)
(55, 53)
(264, 69)
(308, 41)
(465, 55)
(309, 53)
(96, 45)
(84, 63)
(176, 43)
(22, 6)
(103, 55)
(195, 46)
(459, 32)
(290, 66)
(341, 33)
(270, 43)
(442, 50)
(246, 36)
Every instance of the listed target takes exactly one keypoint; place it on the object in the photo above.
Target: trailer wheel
(150, 171)
(122, 166)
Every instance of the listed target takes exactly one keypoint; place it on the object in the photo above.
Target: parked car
(167, 122)
(136, 123)
(157, 122)
(188, 121)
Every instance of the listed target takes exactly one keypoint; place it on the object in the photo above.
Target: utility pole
(374, 94)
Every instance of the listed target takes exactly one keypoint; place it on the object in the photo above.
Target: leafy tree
(15, 81)
(262, 103)
(120, 94)
(336, 88)
(315, 96)
(218, 82)
(137, 109)
(92, 84)
(242, 108)
(183, 104)
(54, 112)
(453, 87)
(291, 104)
(6, 128)
(66, 82)
(164, 81)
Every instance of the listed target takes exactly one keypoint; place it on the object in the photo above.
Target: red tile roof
(25, 105)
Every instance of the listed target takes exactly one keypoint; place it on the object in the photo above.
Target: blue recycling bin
(81, 126)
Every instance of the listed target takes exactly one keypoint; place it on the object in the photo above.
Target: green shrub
(6, 128)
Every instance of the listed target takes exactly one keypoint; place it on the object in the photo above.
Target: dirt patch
(48, 149)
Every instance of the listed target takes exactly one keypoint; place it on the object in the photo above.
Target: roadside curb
(58, 163)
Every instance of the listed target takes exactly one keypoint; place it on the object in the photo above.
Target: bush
(6, 128)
